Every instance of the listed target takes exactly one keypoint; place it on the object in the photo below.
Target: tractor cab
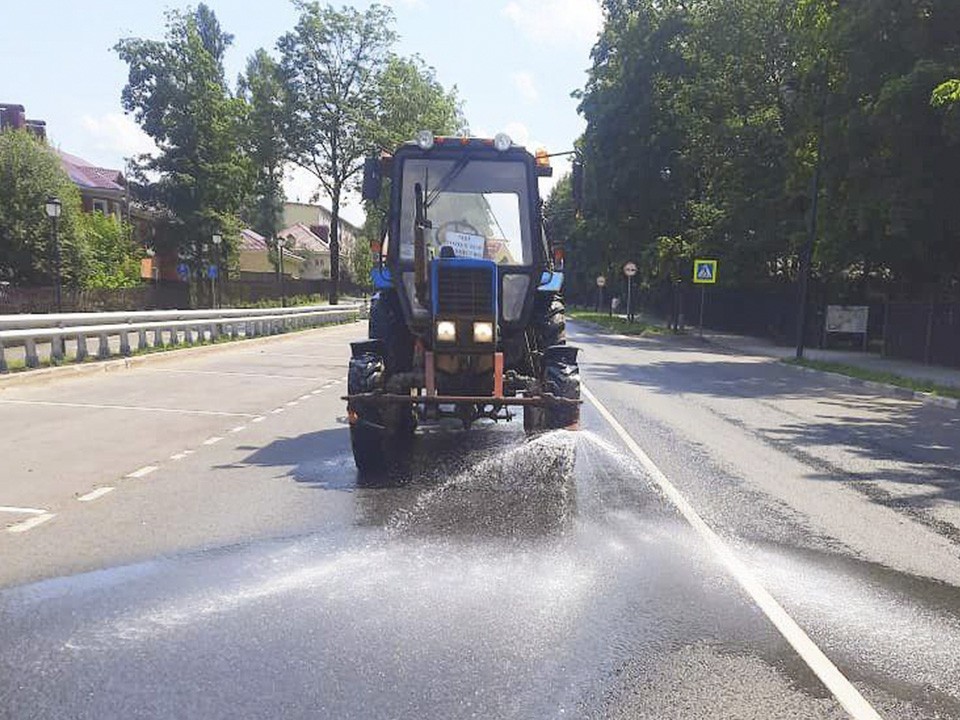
(468, 302)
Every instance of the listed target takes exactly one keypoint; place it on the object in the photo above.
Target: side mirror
(372, 179)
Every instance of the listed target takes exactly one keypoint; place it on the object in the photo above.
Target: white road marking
(239, 428)
(843, 690)
(234, 374)
(143, 472)
(180, 455)
(136, 408)
(293, 403)
(276, 411)
(318, 390)
(258, 418)
(212, 440)
(30, 523)
(94, 494)
(21, 510)
(305, 397)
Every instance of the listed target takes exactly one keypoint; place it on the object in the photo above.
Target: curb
(894, 390)
(884, 388)
(27, 377)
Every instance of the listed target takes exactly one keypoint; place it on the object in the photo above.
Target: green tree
(330, 64)
(261, 86)
(177, 92)
(113, 255)
(30, 172)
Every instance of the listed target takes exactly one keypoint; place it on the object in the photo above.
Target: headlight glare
(446, 331)
(483, 332)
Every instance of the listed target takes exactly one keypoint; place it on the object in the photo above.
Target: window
(99, 206)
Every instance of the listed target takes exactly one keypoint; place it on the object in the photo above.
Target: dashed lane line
(136, 408)
(95, 494)
(212, 440)
(30, 523)
(293, 403)
(258, 419)
(143, 472)
(21, 510)
(836, 682)
(276, 411)
(226, 373)
(238, 429)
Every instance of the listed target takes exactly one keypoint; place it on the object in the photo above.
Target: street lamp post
(217, 239)
(54, 209)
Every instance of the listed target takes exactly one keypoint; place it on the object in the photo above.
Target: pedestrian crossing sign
(705, 272)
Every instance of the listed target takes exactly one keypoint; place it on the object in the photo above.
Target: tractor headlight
(446, 331)
(483, 332)
(425, 139)
(502, 142)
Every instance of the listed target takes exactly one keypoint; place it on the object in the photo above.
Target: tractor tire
(549, 323)
(387, 323)
(562, 379)
(368, 436)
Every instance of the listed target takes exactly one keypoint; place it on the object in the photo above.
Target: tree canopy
(704, 121)
(331, 62)
(177, 92)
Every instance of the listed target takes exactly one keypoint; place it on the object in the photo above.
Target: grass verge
(887, 378)
(616, 324)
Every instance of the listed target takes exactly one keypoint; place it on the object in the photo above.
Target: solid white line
(94, 494)
(144, 471)
(21, 510)
(30, 523)
(137, 408)
(213, 440)
(239, 428)
(843, 690)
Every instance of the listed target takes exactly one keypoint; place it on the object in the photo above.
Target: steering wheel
(461, 226)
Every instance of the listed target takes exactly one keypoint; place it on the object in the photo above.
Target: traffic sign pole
(630, 269)
(703, 300)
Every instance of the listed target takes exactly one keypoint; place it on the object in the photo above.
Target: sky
(514, 62)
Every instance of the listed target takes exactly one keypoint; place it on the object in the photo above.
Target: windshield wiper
(445, 181)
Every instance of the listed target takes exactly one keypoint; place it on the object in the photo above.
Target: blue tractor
(468, 320)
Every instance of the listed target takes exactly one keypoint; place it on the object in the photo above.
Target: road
(188, 538)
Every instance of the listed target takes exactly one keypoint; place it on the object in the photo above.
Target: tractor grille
(465, 291)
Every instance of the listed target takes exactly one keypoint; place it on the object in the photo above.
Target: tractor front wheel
(368, 436)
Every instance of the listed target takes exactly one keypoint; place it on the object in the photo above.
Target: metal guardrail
(56, 329)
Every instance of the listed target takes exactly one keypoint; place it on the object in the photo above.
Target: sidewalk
(918, 372)
(949, 377)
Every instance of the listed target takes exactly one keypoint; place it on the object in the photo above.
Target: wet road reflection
(493, 576)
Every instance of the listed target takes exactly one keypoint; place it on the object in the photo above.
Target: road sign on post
(630, 269)
(601, 281)
(704, 273)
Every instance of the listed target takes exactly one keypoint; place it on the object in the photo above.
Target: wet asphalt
(490, 575)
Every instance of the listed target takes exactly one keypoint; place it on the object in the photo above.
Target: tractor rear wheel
(549, 323)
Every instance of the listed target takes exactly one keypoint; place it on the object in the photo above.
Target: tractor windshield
(478, 208)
